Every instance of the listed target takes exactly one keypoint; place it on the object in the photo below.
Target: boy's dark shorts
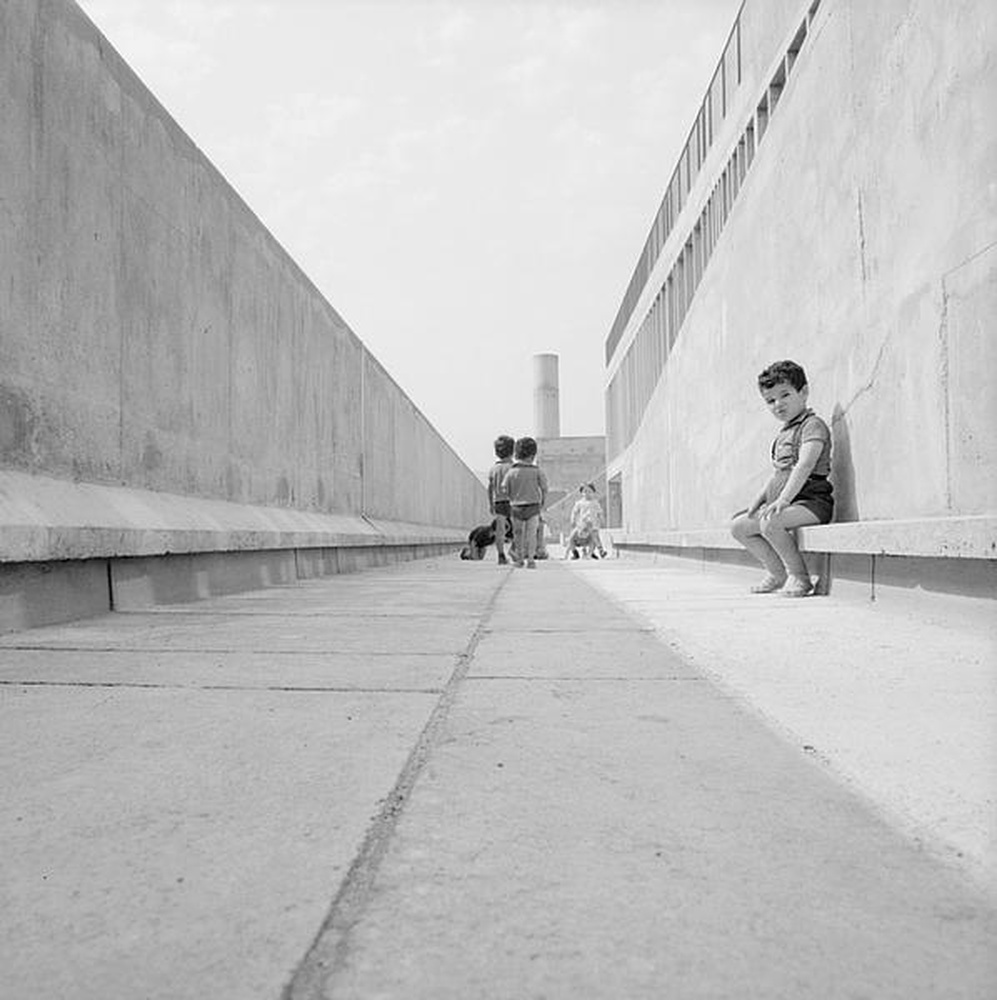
(523, 512)
(503, 507)
(816, 496)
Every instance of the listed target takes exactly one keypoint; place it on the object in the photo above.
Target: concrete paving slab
(898, 698)
(272, 671)
(607, 839)
(264, 632)
(579, 653)
(604, 619)
(332, 597)
(534, 599)
(177, 845)
(291, 607)
(625, 837)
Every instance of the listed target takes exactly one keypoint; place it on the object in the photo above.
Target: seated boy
(797, 493)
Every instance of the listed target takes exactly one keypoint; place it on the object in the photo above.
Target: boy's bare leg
(500, 530)
(776, 530)
(541, 552)
(531, 537)
(748, 531)
(518, 526)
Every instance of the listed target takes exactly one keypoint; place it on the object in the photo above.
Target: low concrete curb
(74, 550)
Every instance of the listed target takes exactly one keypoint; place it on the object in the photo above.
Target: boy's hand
(777, 506)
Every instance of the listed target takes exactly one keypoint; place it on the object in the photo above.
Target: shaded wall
(154, 335)
(863, 244)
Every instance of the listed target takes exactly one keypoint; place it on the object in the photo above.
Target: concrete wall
(863, 244)
(155, 336)
(570, 461)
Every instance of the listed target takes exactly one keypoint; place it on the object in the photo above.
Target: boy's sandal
(768, 585)
(800, 587)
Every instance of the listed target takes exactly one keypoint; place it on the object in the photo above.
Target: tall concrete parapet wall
(858, 238)
(157, 341)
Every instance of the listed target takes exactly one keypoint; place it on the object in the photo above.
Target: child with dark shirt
(797, 493)
(498, 495)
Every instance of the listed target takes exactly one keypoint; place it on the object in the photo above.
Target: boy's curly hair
(783, 371)
(504, 446)
(525, 449)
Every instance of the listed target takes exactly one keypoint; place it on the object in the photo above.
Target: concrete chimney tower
(546, 397)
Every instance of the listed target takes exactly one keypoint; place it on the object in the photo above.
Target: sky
(468, 182)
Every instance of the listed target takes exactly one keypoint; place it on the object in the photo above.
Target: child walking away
(498, 495)
(798, 492)
(527, 488)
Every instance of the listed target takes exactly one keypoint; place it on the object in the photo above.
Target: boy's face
(784, 402)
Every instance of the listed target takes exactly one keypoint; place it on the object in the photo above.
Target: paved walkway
(446, 780)
(897, 698)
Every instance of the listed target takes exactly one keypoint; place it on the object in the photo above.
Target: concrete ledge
(933, 538)
(48, 593)
(944, 537)
(956, 555)
(72, 550)
(149, 581)
(46, 520)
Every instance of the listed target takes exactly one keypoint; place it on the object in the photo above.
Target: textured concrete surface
(185, 789)
(154, 335)
(447, 779)
(896, 698)
(859, 247)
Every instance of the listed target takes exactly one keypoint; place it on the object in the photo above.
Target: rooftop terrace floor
(445, 779)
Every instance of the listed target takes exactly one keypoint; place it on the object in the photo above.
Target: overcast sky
(469, 183)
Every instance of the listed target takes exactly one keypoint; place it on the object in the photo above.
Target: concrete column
(546, 399)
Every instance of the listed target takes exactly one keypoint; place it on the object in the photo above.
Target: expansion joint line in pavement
(186, 611)
(557, 678)
(307, 651)
(153, 686)
(330, 947)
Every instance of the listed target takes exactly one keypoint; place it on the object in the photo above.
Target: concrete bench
(943, 537)
(956, 554)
